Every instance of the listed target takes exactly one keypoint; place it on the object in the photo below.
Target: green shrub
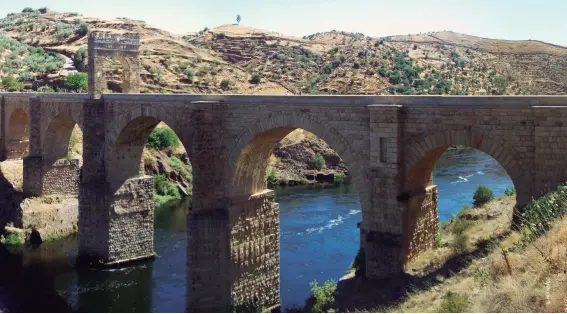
(482, 195)
(454, 303)
(439, 238)
(162, 138)
(77, 82)
(271, 178)
(256, 78)
(460, 225)
(323, 296)
(190, 75)
(185, 170)
(540, 214)
(318, 162)
(82, 28)
(45, 89)
(460, 243)
(339, 177)
(12, 239)
(225, 84)
(26, 76)
(27, 10)
(80, 58)
(510, 192)
(163, 187)
(11, 84)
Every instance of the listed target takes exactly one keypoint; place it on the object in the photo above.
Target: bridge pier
(59, 177)
(233, 257)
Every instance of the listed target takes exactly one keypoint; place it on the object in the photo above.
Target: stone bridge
(389, 143)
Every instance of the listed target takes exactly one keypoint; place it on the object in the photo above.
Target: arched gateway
(389, 143)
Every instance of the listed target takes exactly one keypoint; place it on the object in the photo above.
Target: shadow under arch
(18, 135)
(249, 157)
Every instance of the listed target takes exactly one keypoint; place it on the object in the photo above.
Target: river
(319, 239)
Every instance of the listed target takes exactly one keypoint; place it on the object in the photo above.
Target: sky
(544, 20)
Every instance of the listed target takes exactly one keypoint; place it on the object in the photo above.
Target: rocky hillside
(224, 59)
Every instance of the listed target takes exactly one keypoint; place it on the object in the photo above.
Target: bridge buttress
(33, 164)
(381, 229)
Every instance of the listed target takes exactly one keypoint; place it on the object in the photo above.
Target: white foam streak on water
(465, 178)
(332, 223)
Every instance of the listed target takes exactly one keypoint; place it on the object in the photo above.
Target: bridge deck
(344, 100)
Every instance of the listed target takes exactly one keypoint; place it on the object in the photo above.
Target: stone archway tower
(124, 47)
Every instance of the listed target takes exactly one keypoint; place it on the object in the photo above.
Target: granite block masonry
(389, 143)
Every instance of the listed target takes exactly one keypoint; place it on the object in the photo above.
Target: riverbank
(478, 264)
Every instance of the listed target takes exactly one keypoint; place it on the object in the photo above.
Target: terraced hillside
(242, 60)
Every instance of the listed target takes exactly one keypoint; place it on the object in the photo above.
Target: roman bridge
(389, 143)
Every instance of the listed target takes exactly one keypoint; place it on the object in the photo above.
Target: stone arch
(18, 134)
(124, 47)
(125, 147)
(119, 124)
(56, 138)
(248, 157)
(420, 218)
(422, 153)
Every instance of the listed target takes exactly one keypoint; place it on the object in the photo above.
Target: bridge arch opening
(149, 180)
(290, 233)
(63, 139)
(18, 135)
(443, 171)
(148, 146)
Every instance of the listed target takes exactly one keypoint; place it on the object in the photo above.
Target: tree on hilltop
(238, 19)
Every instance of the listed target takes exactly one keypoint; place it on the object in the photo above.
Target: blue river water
(319, 240)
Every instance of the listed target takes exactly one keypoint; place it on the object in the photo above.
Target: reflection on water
(319, 239)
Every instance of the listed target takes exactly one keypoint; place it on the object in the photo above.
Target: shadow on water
(26, 284)
(45, 279)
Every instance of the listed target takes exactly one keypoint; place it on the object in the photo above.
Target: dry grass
(529, 279)
(13, 171)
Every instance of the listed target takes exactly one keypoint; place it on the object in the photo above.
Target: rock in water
(35, 238)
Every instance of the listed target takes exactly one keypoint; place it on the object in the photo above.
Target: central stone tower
(124, 47)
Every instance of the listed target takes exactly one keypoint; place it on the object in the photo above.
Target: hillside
(331, 62)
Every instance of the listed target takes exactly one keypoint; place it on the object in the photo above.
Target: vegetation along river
(319, 240)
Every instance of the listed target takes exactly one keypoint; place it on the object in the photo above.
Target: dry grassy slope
(530, 67)
(296, 65)
(163, 55)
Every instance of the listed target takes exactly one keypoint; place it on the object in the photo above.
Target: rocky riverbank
(294, 160)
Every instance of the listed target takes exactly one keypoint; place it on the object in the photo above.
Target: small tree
(189, 74)
(238, 19)
(318, 162)
(162, 138)
(256, 78)
(77, 82)
(79, 59)
(225, 84)
(27, 10)
(482, 195)
(83, 28)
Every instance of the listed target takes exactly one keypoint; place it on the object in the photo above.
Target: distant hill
(324, 63)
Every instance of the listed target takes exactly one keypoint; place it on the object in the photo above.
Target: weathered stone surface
(390, 145)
